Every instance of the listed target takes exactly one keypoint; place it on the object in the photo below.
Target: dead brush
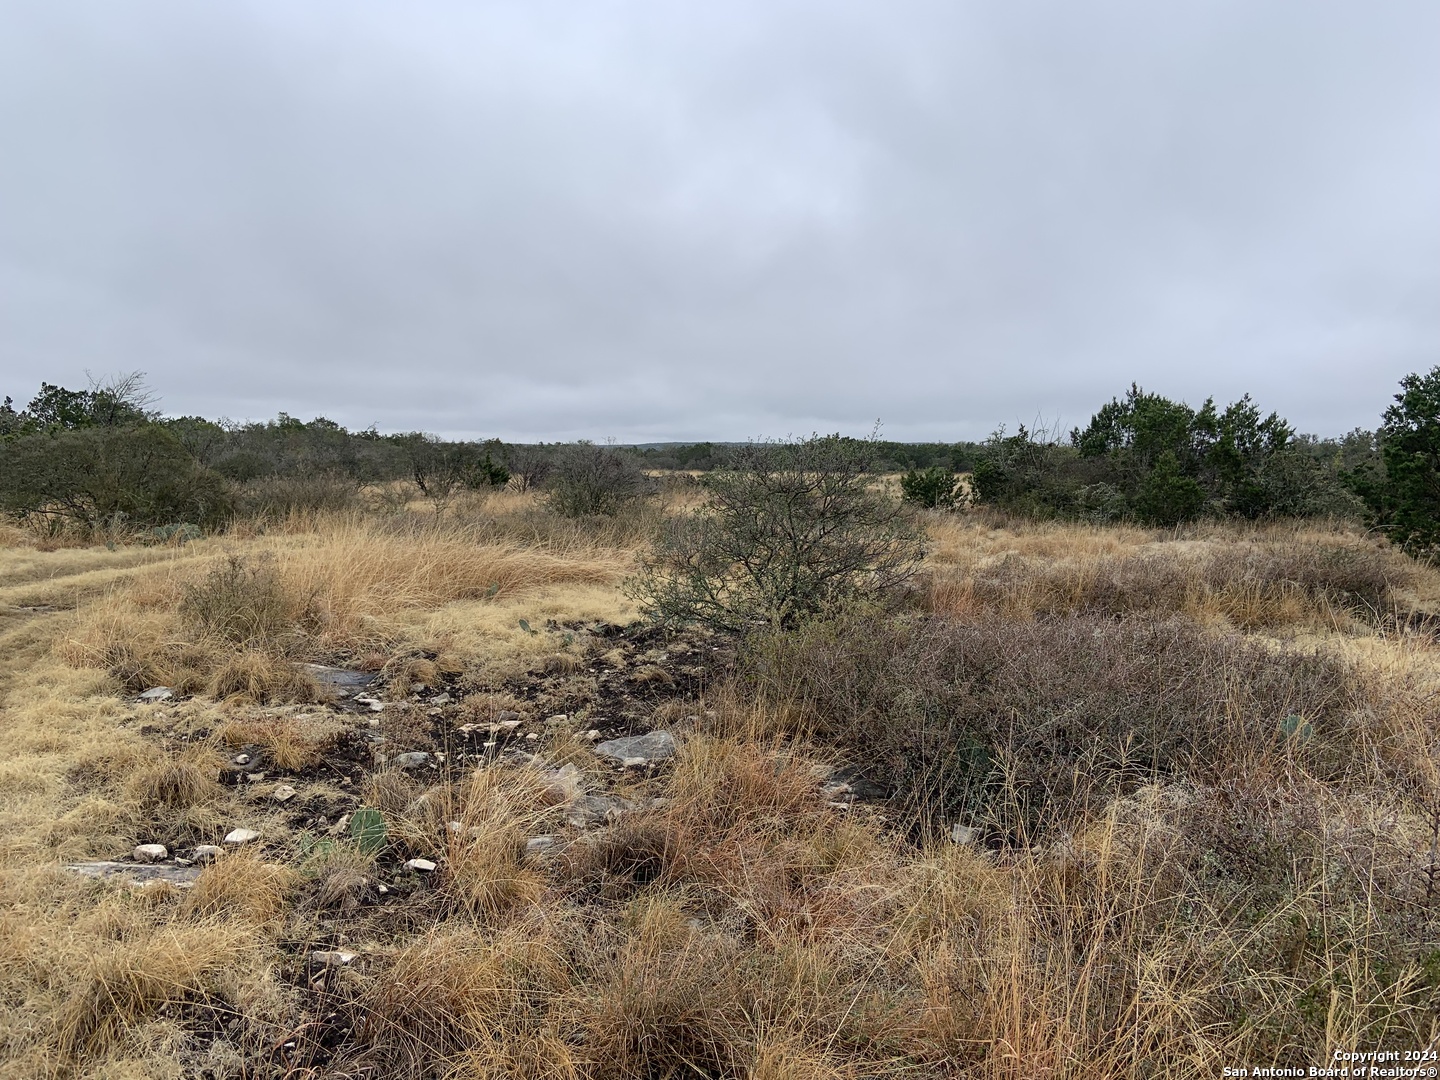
(126, 983)
(290, 744)
(246, 602)
(178, 783)
(240, 887)
(457, 991)
(665, 999)
(1021, 726)
(480, 827)
(343, 877)
(1262, 582)
(262, 677)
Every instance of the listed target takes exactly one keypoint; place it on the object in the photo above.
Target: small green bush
(935, 488)
(1406, 500)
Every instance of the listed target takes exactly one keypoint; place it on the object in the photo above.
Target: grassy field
(1131, 804)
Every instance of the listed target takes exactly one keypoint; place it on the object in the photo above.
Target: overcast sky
(654, 221)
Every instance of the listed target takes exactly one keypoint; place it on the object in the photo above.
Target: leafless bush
(1029, 726)
(278, 497)
(243, 602)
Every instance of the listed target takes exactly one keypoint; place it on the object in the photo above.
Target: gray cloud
(650, 221)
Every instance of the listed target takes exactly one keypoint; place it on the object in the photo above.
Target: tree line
(104, 456)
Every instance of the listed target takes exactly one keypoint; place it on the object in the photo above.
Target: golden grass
(739, 926)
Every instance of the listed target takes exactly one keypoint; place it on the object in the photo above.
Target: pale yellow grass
(778, 936)
(363, 586)
(1225, 574)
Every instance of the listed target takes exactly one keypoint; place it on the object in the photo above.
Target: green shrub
(103, 477)
(1405, 500)
(935, 488)
(787, 530)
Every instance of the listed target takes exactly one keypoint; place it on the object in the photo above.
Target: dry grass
(1170, 879)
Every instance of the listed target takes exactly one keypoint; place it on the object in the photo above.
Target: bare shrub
(1029, 726)
(275, 498)
(588, 480)
(788, 530)
(244, 603)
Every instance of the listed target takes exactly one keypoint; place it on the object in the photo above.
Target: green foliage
(100, 476)
(118, 402)
(368, 831)
(787, 530)
(591, 480)
(1162, 462)
(1167, 496)
(1405, 498)
(934, 488)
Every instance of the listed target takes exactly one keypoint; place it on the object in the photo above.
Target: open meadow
(1095, 801)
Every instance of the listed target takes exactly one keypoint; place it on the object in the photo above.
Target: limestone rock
(416, 759)
(241, 836)
(656, 746)
(422, 866)
(204, 853)
(562, 785)
(964, 834)
(157, 693)
(151, 853)
(591, 810)
(332, 957)
(137, 873)
(283, 794)
(341, 681)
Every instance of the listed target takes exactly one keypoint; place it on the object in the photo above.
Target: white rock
(158, 693)
(531, 737)
(656, 746)
(963, 834)
(151, 853)
(241, 836)
(593, 734)
(538, 845)
(254, 777)
(241, 759)
(332, 958)
(423, 866)
(206, 853)
(558, 718)
(634, 762)
(283, 793)
(507, 725)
